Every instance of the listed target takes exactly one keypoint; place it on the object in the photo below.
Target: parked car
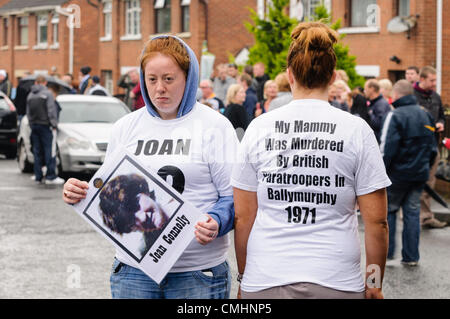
(85, 122)
(8, 127)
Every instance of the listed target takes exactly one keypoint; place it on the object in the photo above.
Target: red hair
(168, 46)
(311, 56)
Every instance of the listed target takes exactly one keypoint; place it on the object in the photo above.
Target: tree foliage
(272, 40)
(272, 37)
(345, 61)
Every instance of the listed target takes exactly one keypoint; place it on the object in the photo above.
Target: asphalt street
(48, 251)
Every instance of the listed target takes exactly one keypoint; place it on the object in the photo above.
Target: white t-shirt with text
(197, 148)
(307, 161)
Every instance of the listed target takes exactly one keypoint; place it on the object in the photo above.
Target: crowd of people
(311, 153)
(376, 146)
(410, 154)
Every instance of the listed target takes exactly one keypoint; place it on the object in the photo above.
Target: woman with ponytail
(301, 169)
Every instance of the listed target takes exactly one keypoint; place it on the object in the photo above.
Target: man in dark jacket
(425, 92)
(260, 78)
(408, 147)
(250, 95)
(42, 116)
(85, 79)
(378, 106)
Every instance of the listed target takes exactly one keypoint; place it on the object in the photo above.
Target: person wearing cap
(97, 88)
(169, 77)
(5, 84)
(85, 79)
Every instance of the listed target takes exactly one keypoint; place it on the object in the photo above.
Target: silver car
(85, 122)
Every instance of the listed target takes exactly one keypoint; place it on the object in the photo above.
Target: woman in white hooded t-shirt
(301, 169)
(169, 81)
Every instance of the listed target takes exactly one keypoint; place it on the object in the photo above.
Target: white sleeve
(370, 171)
(222, 148)
(113, 142)
(244, 175)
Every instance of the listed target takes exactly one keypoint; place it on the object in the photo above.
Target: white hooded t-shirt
(201, 145)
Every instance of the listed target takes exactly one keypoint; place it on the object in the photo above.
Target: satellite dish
(401, 24)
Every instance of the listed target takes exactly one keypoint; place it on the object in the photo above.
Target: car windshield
(82, 112)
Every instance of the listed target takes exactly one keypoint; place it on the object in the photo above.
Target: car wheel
(24, 165)
(59, 168)
(11, 154)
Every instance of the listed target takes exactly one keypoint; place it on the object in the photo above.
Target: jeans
(42, 140)
(406, 196)
(131, 283)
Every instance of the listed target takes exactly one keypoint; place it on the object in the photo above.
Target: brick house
(382, 54)
(34, 38)
(112, 33)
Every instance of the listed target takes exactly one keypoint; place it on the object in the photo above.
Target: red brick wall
(86, 44)
(420, 50)
(31, 59)
(446, 54)
(377, 48)
(226, 30)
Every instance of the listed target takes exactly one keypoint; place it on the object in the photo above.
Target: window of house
(106, 75)
(306, 9)
(185, 15)
(55, 28)
(23, 31)
(403, 8)
(310, 7)
(163, 17)
(107, 19)
(132, 17)
(42, 28)
(5, 32)
(362, 13)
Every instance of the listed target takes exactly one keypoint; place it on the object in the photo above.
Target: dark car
(8, 127)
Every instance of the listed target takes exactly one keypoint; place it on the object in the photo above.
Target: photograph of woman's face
(149, 216)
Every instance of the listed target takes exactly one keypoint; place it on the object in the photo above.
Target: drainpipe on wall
(439, 8)
(205, 4)
(70, 24)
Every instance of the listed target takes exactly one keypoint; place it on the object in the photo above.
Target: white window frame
(107, 20)
(184, 4)
(5, 31)
(373, 10)
(55, 31)
(132, 7)
(159, 5)
(368, 71)
(23, 25)
(403, 5)
(109, 82)
(41, 21)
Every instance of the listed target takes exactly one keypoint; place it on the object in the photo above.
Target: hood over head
(37, 88)
(190, 90)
